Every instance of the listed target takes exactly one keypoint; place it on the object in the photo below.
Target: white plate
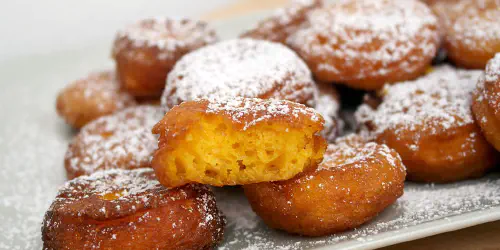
(33, 141)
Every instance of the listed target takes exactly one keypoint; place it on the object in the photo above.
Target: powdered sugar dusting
(121, 140)
(124, 184)
(492, 72)
(240, 67)
(99, 88)
(168, 34)
(477, 25)
(285, 15)
(260, 110)
(350, 150)
(488, 84)
(367, 32)
(438, 101)
(284, 21)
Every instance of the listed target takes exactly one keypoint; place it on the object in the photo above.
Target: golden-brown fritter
(471, 30)
(355, 182)
(367, 43)
(284, 22)
(91, 97)
(243, 68)
(122, 140)
(130, 209)
(237, 141)
(486, 102)
(147, 50)
(429, 122)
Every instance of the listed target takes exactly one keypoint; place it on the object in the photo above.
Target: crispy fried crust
(129, 209)
(485, 117)
(452, 155)
(486, 102)
(119, 141)
(429, 122)
(146, 51)
(91, 97)
(354, 183)
(472, 32)
(241, 112)
(284, 22)
(187, 128)
(365, 44)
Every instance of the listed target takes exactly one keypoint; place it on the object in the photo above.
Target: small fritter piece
(354, 183)
(328, 105)
(237, 141)
(486, 102)
(130, 209)
(147, 50)
(367, 43)
(122, 140)
(240, 67)
(91, 97)
(284, 22)
(429, 122)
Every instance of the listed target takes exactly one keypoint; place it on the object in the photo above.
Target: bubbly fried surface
(429, 122)
(284, 22)
(328, 105)
(367, 43)
(130, 209)
(91, 97)
(240, 67)
(237, 141)
(354, 183)
(472, 31)
(486, 102)
(122, 140)
(147, 50)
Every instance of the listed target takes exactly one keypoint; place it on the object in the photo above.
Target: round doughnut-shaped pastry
(473, 37)
(237, 141)
(240, 67)
(130, 209)
(354, 183)
(147, 50)
(328, 105)
(91, 97)
(284, 22)
(486, 102)
(429, 122)
(367, 43)
(119, 141)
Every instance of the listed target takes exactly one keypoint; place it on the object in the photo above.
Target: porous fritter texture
(237, 141)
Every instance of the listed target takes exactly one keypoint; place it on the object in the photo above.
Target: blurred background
(40, 27)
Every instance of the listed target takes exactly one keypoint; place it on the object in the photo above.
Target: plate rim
(426, 229)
